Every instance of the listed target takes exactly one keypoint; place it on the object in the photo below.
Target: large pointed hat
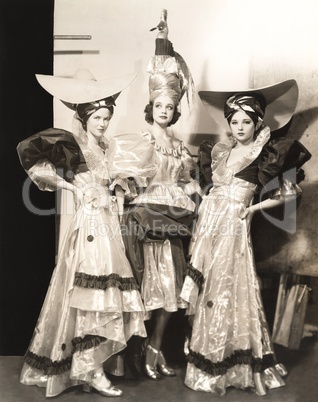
(83, 87)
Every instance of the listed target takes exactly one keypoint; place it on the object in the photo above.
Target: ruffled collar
(224, 148)
(175, 152)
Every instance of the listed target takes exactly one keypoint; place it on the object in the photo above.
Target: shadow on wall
(197, 139)
(275, 249)
(269, 240)
(134, 108)
(300, 122)
(278, 251)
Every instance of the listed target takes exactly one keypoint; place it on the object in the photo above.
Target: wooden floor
(301, 383)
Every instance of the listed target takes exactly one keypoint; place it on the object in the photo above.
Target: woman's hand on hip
(78, 196)
(247, 213)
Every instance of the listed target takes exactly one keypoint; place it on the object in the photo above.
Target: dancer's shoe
(163, 367)
(151, 361)
(109, 390)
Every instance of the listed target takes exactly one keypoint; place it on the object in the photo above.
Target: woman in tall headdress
(230, 343)
(93, 304)
(161, 211)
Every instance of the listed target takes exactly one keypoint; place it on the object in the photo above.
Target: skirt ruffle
(92, 307)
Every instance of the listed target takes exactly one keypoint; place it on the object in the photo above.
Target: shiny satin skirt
(160, 288)
(92, 307)
(230, 343)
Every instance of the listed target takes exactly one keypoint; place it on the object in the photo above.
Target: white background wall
(202, 31)
(217, 38)
(227, 44)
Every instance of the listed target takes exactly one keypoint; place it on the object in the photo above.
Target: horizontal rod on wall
(64, 52)
(72, 37)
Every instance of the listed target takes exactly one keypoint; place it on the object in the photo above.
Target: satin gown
(93, 304)
(161, 201)
(230, 343)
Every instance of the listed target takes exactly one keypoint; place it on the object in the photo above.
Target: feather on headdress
(169, 73)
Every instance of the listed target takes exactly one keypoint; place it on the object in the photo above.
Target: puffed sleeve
(50, 152)
(131, 156)
(204, 163)
(189, 166)
(279, 156)
(189, 173)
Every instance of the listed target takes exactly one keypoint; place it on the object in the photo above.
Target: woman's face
(163, 110)
(97, 122)
(242, 127)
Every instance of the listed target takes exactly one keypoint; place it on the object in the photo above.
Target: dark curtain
(27, 240)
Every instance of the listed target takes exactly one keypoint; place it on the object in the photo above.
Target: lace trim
(104, 282)
(50, 367)
(176, 152)
(195, 275)
(95, 163)
(238, 357)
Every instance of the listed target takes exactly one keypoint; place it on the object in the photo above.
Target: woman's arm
(48, 152)
(120, 196)
(57, 182)
(268, 203)
(54, 181)
(193, 187)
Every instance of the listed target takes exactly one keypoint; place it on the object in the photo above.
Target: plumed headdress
(169, 73)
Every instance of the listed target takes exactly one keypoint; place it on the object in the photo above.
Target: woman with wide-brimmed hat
(230, 343)
(93, 305)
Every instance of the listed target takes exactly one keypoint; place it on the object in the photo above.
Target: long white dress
(93, 304)
(230, 343)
